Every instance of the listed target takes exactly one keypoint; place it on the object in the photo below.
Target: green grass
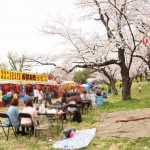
(139, 100)
(92, 120)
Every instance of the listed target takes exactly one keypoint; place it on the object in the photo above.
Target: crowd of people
(38, 96)
(69, 98)
(13, 110)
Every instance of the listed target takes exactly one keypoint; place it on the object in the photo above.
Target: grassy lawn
(92, 120)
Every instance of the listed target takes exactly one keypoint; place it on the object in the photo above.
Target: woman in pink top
(30, 110)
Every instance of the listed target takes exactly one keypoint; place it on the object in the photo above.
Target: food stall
(21, 83)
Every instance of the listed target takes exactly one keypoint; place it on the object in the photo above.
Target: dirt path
(133, 129)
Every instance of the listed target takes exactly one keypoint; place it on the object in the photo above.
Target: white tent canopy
(50, 82)
(9, 82)
(66, 82)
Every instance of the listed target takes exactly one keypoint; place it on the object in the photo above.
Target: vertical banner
(1, 96)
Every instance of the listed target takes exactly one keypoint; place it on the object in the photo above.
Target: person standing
(42, 94)
(55, 93)
(36, 93)
(139, 88)
(48, 98)
(5, 99)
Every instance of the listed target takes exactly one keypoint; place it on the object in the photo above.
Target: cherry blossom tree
(125, 23)
(143, 52)
(62, 75)
(111, 73)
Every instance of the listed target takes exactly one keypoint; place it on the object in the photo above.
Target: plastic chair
(41, 123)
(29, 126)
(3, 125)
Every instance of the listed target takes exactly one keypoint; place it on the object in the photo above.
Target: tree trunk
(126, 87)
(113, 87)
(111, 79)
(126, 80)
(146, 74)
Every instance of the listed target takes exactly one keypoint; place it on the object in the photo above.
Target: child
(140, 88)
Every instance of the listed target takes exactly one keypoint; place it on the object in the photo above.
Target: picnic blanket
(132, 124)
(132, 118)
(81, 139)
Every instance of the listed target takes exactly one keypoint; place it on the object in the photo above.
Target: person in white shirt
(36, 93)
(139, 88)
(85, 96)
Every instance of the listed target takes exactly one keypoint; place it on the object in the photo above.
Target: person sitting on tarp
(98, 92)
(104, 95)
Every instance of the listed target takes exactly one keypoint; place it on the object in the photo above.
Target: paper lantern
(145, 40)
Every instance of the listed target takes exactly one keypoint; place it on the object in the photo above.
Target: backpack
(77, 116)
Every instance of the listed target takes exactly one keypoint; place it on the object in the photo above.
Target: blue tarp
(24, 98)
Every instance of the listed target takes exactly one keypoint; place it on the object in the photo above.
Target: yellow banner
(1, 96)
(22, 76)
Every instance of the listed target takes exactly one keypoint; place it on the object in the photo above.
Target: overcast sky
(20, 21)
